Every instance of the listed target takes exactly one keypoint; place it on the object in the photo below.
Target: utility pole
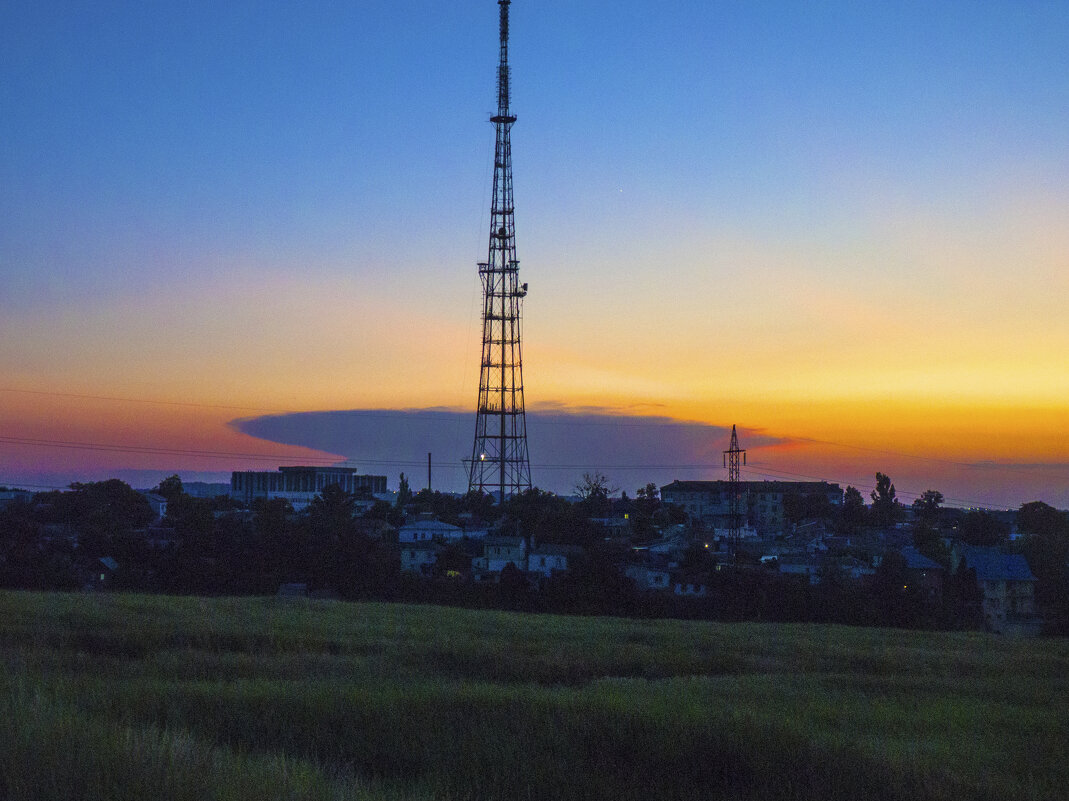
(731, 462)
(499, 460)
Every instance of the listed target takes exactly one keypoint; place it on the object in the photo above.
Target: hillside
(133, 697)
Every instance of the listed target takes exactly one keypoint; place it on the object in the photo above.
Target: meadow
(137, 697)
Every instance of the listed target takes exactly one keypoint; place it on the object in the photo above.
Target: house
(104, 570)
(649, 577)
(474, 531)
(420, 557)
(809, 569)
(427, 529)
(1007, 585)
(926, 575)
(158, 504)
(160, 537)
(690, 586)
(613, 526)
(745, 532)
(374, 529)
(10, 496)
(673, 544)
(499, 552)
(546, 560)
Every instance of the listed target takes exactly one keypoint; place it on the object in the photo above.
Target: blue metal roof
(915, 560)
(991, 564)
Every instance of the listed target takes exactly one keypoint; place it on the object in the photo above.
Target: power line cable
(767, 472)
(772, 473)
(542, 418)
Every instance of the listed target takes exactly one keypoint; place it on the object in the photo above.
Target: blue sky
(803, 218)
(314, 128)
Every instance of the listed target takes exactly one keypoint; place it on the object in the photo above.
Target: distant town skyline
(840, 227)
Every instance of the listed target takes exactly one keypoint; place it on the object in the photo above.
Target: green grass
(115, 697)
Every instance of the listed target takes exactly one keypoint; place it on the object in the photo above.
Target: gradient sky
(843, 222)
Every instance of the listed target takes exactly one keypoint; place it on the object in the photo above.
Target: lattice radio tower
(731, 462)
(499, 461)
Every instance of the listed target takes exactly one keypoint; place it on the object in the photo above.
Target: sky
(840, 226)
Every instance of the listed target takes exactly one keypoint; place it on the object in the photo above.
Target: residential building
(420, 557)
(690, 586)
(761, 502)
(549, 559)
(499, 552)
(809, 568)
(158, 504)
(924, 574)
(428, 529)
(374, 529)
(8, 497)
(613, 526)
(1007, 584)
(649, 577)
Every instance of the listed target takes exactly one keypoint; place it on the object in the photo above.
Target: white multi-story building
(299, 485)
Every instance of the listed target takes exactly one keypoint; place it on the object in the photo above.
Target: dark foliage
(983, 528)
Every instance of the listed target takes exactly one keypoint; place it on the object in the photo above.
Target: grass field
(135, 697)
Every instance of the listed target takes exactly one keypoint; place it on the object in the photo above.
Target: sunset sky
(842, 226)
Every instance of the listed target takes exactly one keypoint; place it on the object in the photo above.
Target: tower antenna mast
(499, 460)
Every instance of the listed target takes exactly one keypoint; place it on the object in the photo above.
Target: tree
(926, 507)
(101, 510)
(697, 559)
(1046, 547)
(381, 510)
(548, 518)
(331, 512)
(444, 507)
(479, 504)
(453, 562)
(1039, 518)
(798, 507)
(594, 485)
(404, 492)
(170, 488)
(648, 497)
(594, 492)
(512, 588)
(884, 504)
(853, 514)
(926, 539)
(645, 506)
(983, 528)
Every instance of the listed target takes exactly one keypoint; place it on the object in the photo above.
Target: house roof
(991, 564)
(429, 525)
(915, 560)
(422, 546)
(556, 550)
(785, 487)
(510, 542)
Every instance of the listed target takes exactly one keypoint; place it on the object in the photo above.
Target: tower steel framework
(499, 460)
(731, 461)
